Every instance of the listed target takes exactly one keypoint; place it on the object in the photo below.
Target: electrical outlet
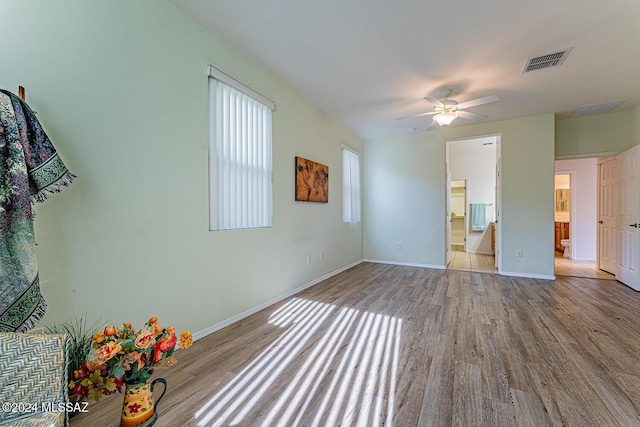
(399, 245)
(518, 252)
(308, 259)
(322, 256)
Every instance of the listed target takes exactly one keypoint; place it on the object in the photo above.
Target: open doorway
(575, 219)
(458, 215)
(472, 204)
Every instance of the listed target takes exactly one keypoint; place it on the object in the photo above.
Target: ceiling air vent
(546, 61)
(605, 107)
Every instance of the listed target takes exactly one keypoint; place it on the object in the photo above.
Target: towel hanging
(478, 216)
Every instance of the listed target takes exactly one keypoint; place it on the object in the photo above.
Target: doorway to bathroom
(575, 219)
(472, 208)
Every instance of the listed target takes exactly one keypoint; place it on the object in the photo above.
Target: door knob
(633, 225)
(600, 222)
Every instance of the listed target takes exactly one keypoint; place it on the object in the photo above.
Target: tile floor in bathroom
(473, 262)
(563, 266)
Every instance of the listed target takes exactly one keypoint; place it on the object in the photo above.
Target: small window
(240, 165)
(350, 185)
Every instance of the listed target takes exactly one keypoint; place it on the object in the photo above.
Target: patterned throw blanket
(30, 168)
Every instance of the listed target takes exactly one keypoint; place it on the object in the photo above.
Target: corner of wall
(634, 126)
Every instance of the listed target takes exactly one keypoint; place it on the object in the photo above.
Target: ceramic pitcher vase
(139, 409)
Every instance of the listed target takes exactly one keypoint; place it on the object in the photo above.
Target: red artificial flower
(163, 345)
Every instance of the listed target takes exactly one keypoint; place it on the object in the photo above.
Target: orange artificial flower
(157, 329)
(186, 340)
(92, 365)
(98, 337)
(107, 351)
(110, 331)
(171, 330)
(168, 362)
(136, 357)
(144, 339)
(128, 326)
(153, 320)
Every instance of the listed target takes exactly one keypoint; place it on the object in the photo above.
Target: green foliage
(81, 339)
(117, 371)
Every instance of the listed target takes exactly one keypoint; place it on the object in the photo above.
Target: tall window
(240, 155)
(350, 185)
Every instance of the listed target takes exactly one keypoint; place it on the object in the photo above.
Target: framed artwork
(562, 200)
(312, 181)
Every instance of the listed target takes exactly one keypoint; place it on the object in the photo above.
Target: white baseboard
(632, 287)
(528, 275)
(211, 329)
(408, 264)
(481, 252)
(584, 260)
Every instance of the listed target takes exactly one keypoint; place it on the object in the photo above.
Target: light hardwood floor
(567, 267)
(404, 346)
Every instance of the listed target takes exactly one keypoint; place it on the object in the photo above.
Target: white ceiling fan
(448, 110)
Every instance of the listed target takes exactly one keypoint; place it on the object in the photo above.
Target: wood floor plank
(529, 410)
(385, 345)
(494, 374)
(436, 407)
(498, 414)
(468, 401)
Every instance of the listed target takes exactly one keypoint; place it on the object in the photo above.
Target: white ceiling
(367, 62)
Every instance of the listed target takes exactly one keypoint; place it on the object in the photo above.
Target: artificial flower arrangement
(126, 356)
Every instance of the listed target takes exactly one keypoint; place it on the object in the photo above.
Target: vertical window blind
(240, 156)
(350, 185)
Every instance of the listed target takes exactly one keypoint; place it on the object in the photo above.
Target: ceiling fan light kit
(445, 119)
(447, 110)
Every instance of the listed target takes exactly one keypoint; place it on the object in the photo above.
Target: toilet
(565, 243)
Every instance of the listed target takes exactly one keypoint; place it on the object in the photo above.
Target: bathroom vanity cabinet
(562, 232)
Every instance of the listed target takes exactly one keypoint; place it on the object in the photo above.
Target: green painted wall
(592, 136)
(634, 123)
(405, 195)
(121, 88)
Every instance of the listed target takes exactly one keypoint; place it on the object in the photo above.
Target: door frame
(498, 198)
(466, 207)
(498, 201)
(448, 256)
(572, 206)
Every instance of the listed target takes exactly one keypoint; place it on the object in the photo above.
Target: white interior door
(449, 255)
(627, 256)
(498, 207)
(609, 195)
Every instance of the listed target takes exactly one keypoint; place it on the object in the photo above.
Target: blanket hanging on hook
(30, 169)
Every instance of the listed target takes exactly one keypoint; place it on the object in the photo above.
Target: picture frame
(562, 200)
(311, 181)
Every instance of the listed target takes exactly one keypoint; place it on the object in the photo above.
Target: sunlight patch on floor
(347, 376)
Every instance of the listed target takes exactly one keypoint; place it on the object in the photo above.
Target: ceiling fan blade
(434, 101)
(479, 101)
(471, 116)
(433, 125)
(416, 115)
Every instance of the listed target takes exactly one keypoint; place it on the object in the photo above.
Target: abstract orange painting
(312, 181)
